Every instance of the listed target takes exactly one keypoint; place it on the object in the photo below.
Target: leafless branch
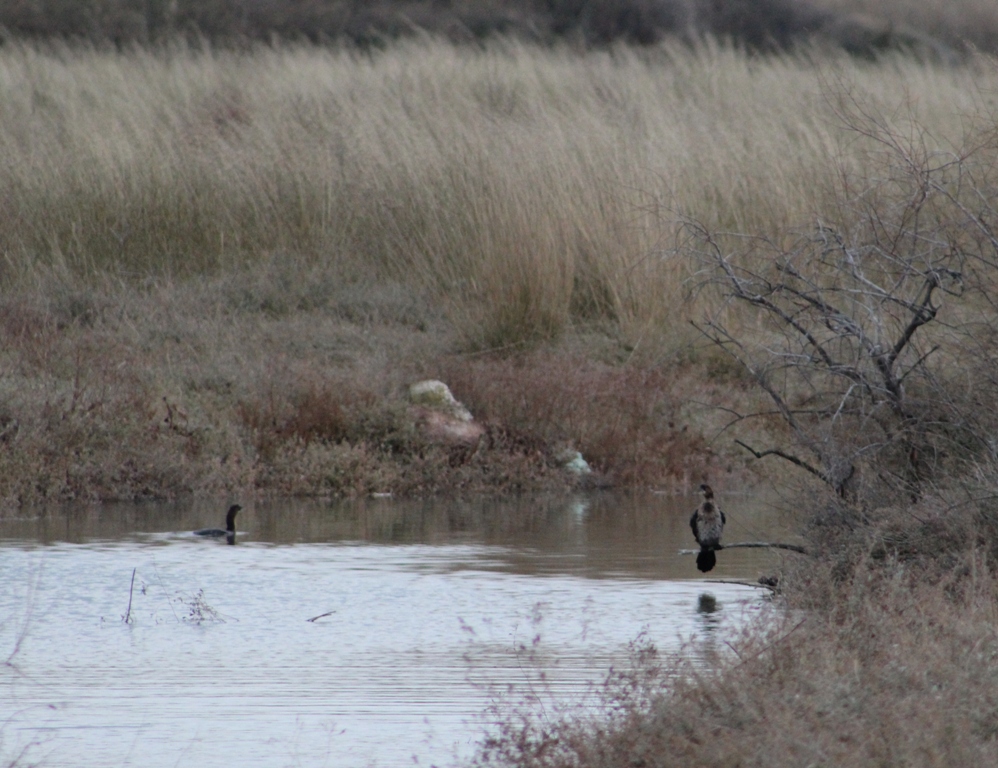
(789, 457)
(752, 545)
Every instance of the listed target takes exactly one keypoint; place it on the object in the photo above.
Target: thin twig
(789, 457)
(755, 584)
(128, 612)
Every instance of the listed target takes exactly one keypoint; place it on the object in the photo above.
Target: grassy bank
(221, 270)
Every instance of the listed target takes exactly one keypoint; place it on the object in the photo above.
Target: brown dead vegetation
(900, 674)
(192, 315)
(630, 423)
(145, 396)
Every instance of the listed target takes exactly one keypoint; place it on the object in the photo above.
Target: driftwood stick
(321, 616)
(128, 611)
(752, 544)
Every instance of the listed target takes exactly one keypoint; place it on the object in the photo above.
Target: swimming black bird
(230, 527)
(707, 523)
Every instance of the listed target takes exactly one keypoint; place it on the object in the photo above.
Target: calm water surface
(373, 633)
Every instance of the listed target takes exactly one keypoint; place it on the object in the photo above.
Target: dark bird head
(708, 492)
(230, 518)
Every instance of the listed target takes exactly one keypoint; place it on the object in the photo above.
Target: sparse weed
(197, 609)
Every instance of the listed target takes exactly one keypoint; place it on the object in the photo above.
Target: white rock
(573, 462)
(437, 395)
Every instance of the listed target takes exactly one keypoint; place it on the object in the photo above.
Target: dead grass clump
(504, 460)
(87, 433)
(317, 410)
(325, 469)
(520, 191)
(343, 435)
(500, 463)
(628, 422)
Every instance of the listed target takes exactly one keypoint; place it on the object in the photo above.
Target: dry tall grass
(528, 189)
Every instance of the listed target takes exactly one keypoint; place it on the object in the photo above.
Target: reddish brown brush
(626, 421)
(313, 410)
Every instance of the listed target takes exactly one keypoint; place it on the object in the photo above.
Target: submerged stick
(321, 615)
(128, 612)
(752, 544)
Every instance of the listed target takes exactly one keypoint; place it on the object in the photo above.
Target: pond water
(371, 633)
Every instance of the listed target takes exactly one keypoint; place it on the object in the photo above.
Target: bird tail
(706, 560)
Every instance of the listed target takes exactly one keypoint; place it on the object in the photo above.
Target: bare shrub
(198, 610)
(865, 318)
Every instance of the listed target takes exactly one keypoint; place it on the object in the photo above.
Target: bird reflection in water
(708, 608)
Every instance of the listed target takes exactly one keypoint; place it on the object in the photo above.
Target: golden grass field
(221, 270)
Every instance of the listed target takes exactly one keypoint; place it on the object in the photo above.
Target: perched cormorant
(230, 527)
(707, 523)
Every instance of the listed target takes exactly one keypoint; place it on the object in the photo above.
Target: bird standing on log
(707, 523)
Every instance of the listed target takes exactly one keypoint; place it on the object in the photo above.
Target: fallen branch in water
(753, 544)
